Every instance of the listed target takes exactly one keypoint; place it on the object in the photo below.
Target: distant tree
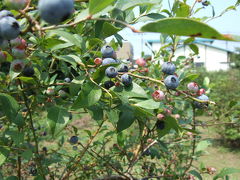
(235, 58)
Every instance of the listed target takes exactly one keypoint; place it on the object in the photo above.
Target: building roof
(200, 41)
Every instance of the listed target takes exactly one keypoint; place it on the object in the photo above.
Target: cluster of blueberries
(109, 57)
(171, 81)
(9, 40)
(55, 11)
(9, 26)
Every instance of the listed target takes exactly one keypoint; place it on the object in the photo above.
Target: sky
(229, 23)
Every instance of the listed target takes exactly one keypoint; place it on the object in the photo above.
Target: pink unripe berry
(98, 61)
(141, 62)
(211, 170)
(191, 177)
(160, 116)
(117, 84)
(167, 111)
(192, 86)
(3, 56)
(177, 116)
(22, 45)
(158, 95)
(177, 93)
(201, 92)
(50, 91)
(17, 65)
(18, 53)
(16, 42)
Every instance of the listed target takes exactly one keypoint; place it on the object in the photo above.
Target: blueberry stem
(38, 160)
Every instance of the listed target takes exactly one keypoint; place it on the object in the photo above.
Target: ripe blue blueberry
(28, 72)
(73, 140)
(62, 93)
(9, 28)
(205, 3)
(108, 52)
(126, 80)
(33, 171)
(5, 13)
(70, 116)
(108, 84)
(171, 82)
(67, 80)
(55, 11)
(109, 61)
(75, 148)
(160, 125)
(18, 53)
(123, 68)
(200, 105)
(111, 72)
(147, 152)
(168, 68)
(44, 149)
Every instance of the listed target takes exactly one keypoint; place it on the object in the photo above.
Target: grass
(217, 155)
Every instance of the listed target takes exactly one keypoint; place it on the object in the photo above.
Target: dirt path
(218, 156)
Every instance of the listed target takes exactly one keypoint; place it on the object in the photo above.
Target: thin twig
(70, 170)
(194, 142)
(33, 131)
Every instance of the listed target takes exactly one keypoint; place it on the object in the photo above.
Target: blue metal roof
(201, 41)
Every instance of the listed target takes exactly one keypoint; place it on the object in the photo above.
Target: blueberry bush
(56, 68)
(226, 112)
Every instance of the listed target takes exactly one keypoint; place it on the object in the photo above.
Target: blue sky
(229, 23)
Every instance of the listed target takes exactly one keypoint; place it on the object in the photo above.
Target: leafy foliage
(121, 131)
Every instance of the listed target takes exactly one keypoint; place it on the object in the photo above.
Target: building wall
(126, 51)
(213, 59)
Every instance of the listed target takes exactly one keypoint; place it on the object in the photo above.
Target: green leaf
(226, 171)
(96, 112)
(8, 106)
(57, 119)
(206, 82)
(189, 78)
(29, 80)
(130, 92)
(113, 116)
(170, 123)
(149, 104)
(126, 118)
(3, 155)
(232, 103)
(126, 4)
(151, 17)
(89, 95)
(12, 178)
(109, 29)
(96, 6)
(196, 174)
(140, 112)
(202, 145)
(72, 59)
(61, 46)
(27, 155)
(183, 10)
(194, 48)
(67, 37)
(17, 137)
(183, 27)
